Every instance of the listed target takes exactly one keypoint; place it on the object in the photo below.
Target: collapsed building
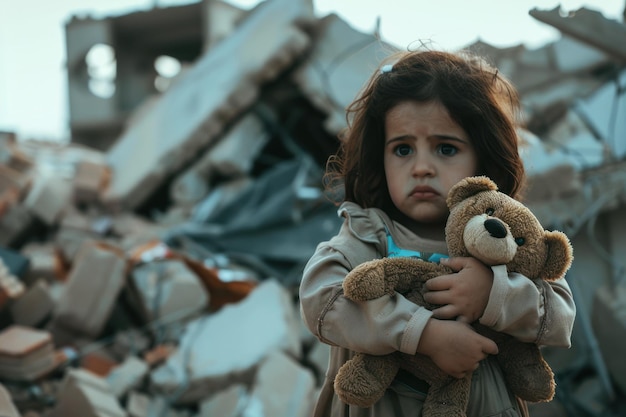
(150, 266)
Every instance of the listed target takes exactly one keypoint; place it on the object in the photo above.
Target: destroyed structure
(150, 267)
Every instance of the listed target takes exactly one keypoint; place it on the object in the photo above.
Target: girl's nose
(422, 166)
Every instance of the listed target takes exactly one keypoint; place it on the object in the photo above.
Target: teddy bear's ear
(468, 187)
(560, 255)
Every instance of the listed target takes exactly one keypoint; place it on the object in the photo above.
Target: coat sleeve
(376, 327)
(535, 311)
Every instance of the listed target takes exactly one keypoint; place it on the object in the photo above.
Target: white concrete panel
(190, 115)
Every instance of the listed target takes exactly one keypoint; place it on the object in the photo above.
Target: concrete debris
(150, 266)
(84, 394)
(7, 408)
(222, 84)
(26, 353)
(588, 26)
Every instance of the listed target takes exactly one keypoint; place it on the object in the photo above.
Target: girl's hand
(454, 346)
(464, 294)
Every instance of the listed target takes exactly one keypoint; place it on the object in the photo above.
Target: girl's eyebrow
(398, 139)
(440, 137)
(452, 138)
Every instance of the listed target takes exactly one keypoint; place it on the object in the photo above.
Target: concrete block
(168, 287)
(89, 181)
(25, 353)
(83, 394)
(45, 262)
(94, 283)
(15, 223)
(48, 198)
(34, 305)
(128, 375)
(282, 388)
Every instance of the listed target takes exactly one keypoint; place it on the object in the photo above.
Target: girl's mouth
(423, 192)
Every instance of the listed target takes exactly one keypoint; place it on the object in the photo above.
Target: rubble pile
(159, 277)
(105, 315)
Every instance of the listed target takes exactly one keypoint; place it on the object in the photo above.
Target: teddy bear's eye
(489, 212)
(520, 241)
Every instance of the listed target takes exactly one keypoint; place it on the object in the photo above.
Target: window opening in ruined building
(102, 70)
(167, 69)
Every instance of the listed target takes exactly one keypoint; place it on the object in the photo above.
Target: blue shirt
(393, 251)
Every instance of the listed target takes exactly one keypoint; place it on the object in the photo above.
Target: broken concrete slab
(338, 66)
(280, 373)
(190, 115)
(137, 404)
(229, 402)
(608, 126)
(214, 352)
(222, 20)
(167, 287)
(127, 376)
(588, 26)
(232, 157)
(7, 407)
(84, 394)
(603, 189)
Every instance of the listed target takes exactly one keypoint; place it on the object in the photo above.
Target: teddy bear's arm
(379, 277)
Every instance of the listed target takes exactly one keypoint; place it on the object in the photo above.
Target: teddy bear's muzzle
(495, 228)
(488, 239)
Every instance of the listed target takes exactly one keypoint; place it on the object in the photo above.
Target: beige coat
(517, 306)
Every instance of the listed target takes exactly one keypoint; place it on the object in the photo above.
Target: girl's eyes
(402, 150)
(444, 149)
(447, 149)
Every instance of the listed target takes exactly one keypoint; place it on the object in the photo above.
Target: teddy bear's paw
(363, 380)
(354, 385)
(535, 391)
(534, 384)
(366, 281)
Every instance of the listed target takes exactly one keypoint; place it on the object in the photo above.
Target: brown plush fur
(543, 255)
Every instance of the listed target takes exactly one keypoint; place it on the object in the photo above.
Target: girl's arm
(376, 327)
(383, 325)
(531, 310)
(535, 311)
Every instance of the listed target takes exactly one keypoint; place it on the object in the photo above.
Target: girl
(419, 126)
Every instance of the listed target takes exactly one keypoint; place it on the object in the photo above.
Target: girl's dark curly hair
(477, 97)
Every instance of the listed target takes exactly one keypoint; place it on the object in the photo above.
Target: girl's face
(426, 153)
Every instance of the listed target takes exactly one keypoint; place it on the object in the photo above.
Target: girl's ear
(468, 187)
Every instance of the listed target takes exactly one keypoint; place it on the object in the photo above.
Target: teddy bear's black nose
(495, 228)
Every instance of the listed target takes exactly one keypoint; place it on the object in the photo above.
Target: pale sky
(33, 99)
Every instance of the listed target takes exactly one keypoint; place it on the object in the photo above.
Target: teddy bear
(495, 229)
